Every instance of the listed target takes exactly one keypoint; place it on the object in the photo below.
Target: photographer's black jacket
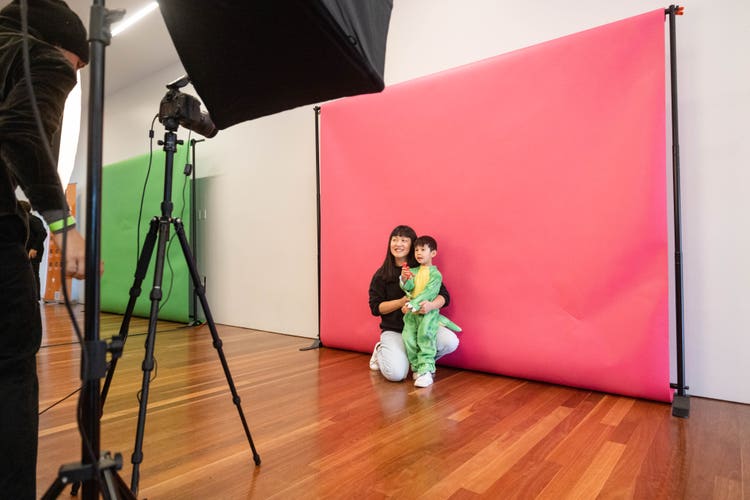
(23, 161)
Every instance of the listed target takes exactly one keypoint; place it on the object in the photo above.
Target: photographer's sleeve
(22, 148)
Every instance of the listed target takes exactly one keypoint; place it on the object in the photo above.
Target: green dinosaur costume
(420, 330)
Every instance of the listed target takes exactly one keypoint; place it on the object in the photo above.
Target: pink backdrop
(541, 173)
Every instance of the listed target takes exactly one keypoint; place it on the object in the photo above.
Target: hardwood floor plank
(726, 488)
(664, 466)
(527, 404)
(510, 453)
(528, 477)
(589, 430)
(637, 432)
(590, 484)
(326, 426)
(581, 450)
(525, 480)
(615, 415)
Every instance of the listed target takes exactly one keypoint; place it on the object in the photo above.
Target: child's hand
(407, 308)
(425, 306)
(405, 272)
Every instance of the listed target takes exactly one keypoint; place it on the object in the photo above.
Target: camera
(177, 108)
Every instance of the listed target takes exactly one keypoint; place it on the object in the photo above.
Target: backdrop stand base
(317, 344)
(681, 406)
(109, 483)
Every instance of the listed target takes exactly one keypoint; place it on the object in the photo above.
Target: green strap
(59, 225)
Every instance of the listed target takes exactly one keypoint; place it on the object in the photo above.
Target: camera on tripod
(177, 108)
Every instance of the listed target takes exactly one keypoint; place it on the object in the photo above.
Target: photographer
(57, 49)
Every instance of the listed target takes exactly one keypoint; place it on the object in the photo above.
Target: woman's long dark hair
(389, 270)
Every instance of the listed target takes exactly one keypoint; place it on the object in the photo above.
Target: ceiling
(143, 49)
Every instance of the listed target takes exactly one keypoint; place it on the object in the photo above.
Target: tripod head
(178, 109)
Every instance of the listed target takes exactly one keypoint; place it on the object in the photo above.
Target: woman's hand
(405, 309)
(393, 305)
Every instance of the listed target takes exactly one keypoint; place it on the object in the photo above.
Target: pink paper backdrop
(541, 173)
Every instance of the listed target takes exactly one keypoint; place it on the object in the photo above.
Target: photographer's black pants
(20, 336)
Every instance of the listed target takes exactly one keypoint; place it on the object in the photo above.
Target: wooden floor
(327, 427)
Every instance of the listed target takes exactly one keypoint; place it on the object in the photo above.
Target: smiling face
(400, 248)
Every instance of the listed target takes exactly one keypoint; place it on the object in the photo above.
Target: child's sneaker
(423, 380)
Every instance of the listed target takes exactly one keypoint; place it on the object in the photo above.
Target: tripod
(159, 226)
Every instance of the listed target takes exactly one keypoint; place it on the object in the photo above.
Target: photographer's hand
(75, 253)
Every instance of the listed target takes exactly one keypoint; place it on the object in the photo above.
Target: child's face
(424, 254)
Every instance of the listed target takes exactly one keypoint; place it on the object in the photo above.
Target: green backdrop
(122, 185)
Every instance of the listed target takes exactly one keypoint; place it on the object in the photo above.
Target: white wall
(261, 265)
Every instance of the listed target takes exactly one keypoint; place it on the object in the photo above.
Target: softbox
(251, 58)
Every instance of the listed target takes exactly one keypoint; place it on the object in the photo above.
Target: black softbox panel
(251, 58)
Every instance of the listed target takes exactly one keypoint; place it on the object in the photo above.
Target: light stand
(97, 474)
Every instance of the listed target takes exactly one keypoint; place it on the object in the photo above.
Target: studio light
(248, 59)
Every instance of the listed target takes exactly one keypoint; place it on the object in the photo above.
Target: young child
(420, 330)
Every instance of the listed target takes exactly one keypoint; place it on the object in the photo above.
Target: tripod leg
(54, 490)
(200, 290)
(135, 292)
(110, 483)
(148, 360)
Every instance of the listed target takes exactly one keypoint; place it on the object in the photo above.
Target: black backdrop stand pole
(97, 473)
(190, 170)
(681, 401)
(317, 343)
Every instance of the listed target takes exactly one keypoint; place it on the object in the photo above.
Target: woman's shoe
(374, 366)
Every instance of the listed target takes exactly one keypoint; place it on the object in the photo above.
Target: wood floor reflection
(327, 427)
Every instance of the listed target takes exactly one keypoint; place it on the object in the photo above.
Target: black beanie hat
(55, 23)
